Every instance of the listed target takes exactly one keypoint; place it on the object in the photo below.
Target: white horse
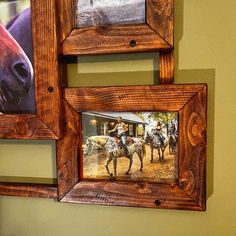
(113, 151)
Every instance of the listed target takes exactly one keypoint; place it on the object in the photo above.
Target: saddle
(129, 141)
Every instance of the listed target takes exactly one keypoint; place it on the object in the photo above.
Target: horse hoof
(127, 173)
(141, 169)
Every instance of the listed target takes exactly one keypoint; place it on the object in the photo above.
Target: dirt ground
(161, 172)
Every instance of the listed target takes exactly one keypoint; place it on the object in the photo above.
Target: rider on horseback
(173, 132)
(158, 132)
(121, 127)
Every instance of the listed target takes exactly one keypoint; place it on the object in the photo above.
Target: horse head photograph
(130, 146)
(16, 61)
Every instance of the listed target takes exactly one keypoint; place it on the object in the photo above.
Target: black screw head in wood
(158, 202)
(132, 43)
(50, 89)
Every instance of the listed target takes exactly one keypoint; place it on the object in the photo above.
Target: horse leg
(141, 160)
(162, 154)
(151, 154)
(109, 159)
(159, 154)
(170, 149)
(115, 166)
(130, 165)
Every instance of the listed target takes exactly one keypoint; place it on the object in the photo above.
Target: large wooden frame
(190, 101)
(54, 34)
(47, 122)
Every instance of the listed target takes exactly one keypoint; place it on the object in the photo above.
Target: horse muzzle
(23, 73)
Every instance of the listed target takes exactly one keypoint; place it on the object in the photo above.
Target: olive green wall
(205, 51)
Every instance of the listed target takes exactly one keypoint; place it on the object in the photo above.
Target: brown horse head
(16, 72)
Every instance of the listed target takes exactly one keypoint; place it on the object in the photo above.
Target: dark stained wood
(28, 190)
(160, 17)
(68, 151)
(166, 67)
(46, 65)
(24, 127)
(113, 39)
(66, 14)
(131, 98)
(188, 194)
(192, 138)
(130, 194)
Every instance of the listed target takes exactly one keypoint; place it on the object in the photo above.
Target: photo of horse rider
(121, 129)
(158, 132)
(130, 146)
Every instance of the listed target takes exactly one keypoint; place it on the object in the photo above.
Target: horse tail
(144, 149)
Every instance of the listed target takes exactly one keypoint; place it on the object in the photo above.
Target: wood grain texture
(193, 140)
(166, 67)
(131, 98)
(68, 150)
(66, 13)
(46, 64)
(24, 127)
(160, 17)
(113, 39)
(130, 194)
(188, 194)
(28, 190)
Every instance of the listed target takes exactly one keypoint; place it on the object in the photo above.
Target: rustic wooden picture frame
(190, 101)
(157, 34)
(47, 122)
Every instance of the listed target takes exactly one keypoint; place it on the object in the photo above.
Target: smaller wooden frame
(154, 35)
(190, 101)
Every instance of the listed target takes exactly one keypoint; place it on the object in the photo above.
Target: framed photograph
(140, 146)
(119, 26)
(30, 70)
(30, 101)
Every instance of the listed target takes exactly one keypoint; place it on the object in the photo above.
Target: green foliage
(164, 117)
(140, 115)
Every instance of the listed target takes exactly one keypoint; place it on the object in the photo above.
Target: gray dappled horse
(112, 151)
(16, 72)
(155, 142)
